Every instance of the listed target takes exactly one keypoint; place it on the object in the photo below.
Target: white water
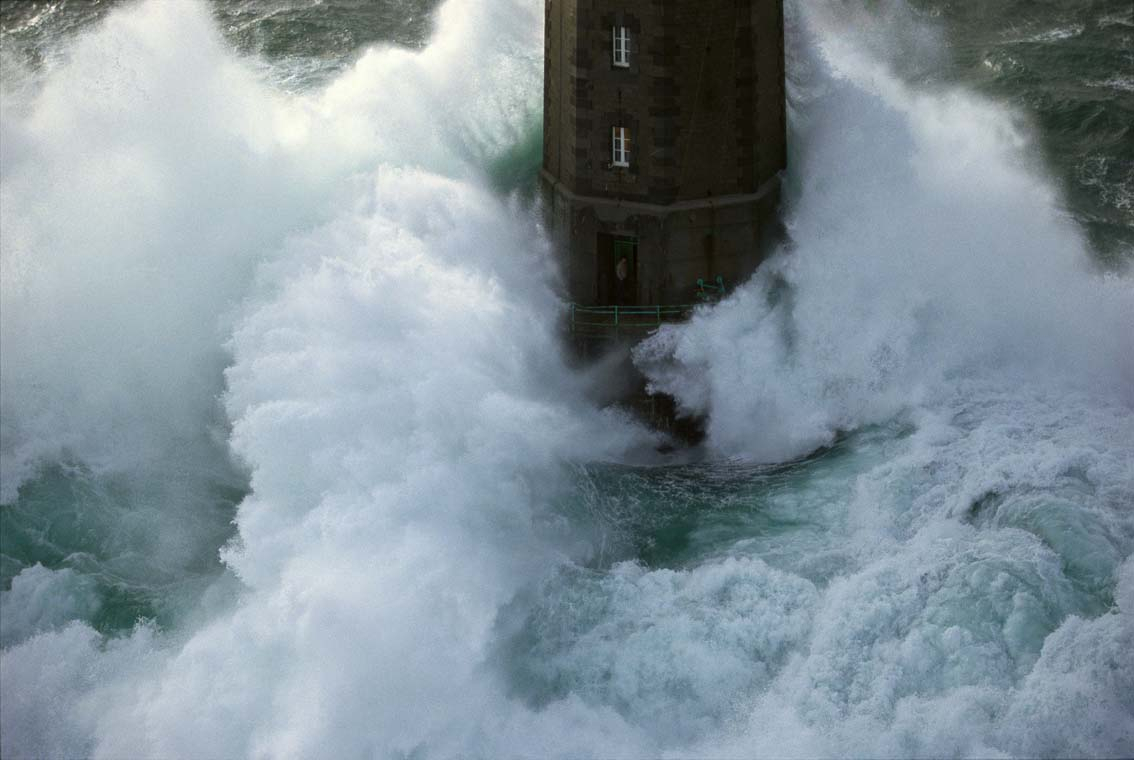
(394, 390)
(928, 248)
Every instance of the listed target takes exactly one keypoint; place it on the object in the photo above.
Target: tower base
(629, 253)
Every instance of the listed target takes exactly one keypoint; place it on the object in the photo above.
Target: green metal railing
(710, 291)
(607, 320)
(630, 321)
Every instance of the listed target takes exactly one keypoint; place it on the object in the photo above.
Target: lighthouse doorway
(617, 270)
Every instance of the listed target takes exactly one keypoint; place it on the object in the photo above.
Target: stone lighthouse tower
(663, 140)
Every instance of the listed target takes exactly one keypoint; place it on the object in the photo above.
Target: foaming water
(138, 207)
(126, 318)
(933, 278)
(439, 550)
(926, 246)
(394, 388)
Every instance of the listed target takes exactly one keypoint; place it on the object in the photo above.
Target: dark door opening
(617, 270)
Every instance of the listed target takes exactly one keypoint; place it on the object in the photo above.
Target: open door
(617, 270)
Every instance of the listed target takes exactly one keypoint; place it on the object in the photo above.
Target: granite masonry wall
(703, 100)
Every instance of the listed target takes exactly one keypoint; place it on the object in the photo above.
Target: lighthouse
(663, 145)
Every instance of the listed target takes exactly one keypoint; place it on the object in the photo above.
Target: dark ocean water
(1069, 67)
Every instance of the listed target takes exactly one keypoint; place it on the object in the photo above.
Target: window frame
(620, 46)
(620, 147)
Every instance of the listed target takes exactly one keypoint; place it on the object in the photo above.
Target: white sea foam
(41, 599)
(396, 390)
(132, 224)
(1051, 35)
(932, 276)
(396, 394)
(926, 246)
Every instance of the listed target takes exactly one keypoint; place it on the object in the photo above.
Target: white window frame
(620, 46)
(620, 147)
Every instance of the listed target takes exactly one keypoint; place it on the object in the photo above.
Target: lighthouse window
(620, 147)
(621, 36)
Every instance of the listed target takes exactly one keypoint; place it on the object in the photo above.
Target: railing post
(616, 316)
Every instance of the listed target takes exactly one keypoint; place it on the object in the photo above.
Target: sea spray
(139, 204)
(153, 218)
(396, 392)
(933, 278)
(925, 246)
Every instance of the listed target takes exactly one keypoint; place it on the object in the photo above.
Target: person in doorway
(621, 272)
